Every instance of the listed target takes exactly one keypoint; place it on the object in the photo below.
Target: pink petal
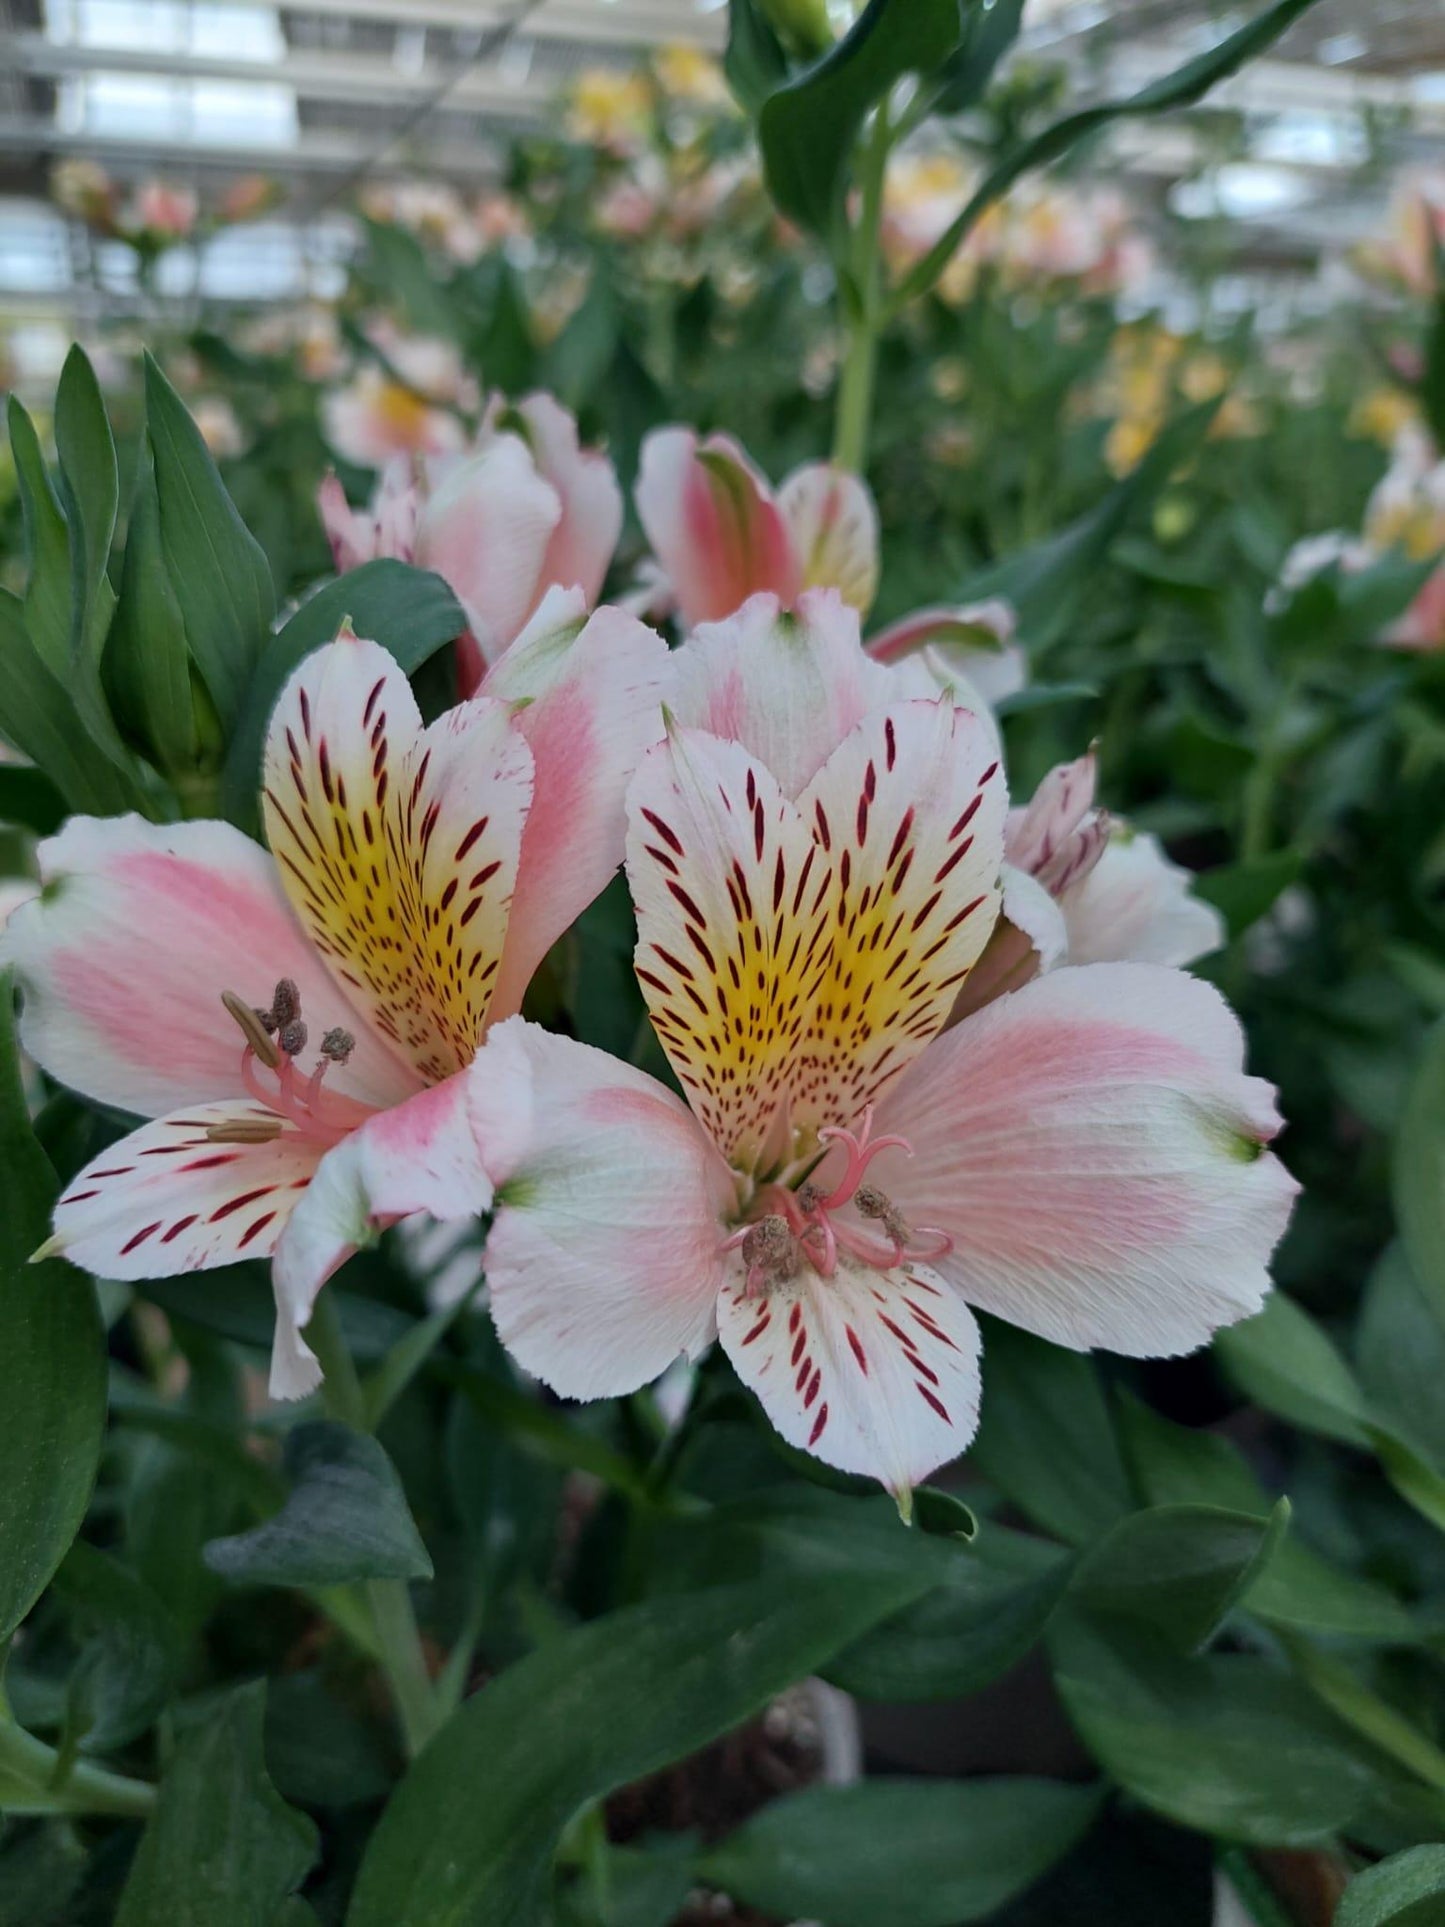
(1137, 906)
(713, 524)
(789, 688)
(593, 703)
(486, 532)
(1094, 1149)
(733, 898)
(124, 958)
(171, 1198)
(875, 1372)
(398, 845)
(418, 1157)
(1038, 833)
(603, 1254)
(583, 541)
(834, 526)
(351, 533)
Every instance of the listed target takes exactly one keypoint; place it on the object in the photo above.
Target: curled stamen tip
(252, 1028)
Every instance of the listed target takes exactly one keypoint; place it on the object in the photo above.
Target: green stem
(399, 1641)
(860, 365)
(34, 1779)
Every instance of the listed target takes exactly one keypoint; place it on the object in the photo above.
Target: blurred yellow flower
(610, 109)
(1381, 414)
(687, 73)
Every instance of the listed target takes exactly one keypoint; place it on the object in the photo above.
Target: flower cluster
(934, 1053)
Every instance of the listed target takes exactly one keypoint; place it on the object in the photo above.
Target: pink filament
(301, 1105)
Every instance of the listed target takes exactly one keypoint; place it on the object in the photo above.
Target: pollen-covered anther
(770, 1252)
(873, 1203)
(285, 1003)
(337, 1045)
(292, 1037)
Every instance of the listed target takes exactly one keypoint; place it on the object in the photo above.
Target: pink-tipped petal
(351, 533)
(420, 1157)
(787, 686)
(834, 527)
(1038, 833)
(398, 845)
(486, 531)
(1095, 1151)
(171, 1197)
(582, 544)
(713, 524)
(592, 692)
(874, 1372)
(124, 958)
(1136, 906)
(603, 1256)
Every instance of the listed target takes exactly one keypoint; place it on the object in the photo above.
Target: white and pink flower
(815, 861)
(293, 1023)
(525, 510)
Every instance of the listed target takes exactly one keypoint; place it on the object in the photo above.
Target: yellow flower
(610, 109)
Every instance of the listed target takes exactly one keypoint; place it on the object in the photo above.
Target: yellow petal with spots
(398, 845)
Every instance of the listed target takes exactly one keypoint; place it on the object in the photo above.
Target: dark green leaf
(217, 570)
(1046, 1439)
(1419, 1172)
(468, 1838)
(47, 547)
(1401, 1354)
(53, 1346)
(1407, 1890)
(147, 658)
(1284, 1362)
(755, 62)
(222, 1848)
(37, 715)
(913, 1853)
(91, 491)
(1178, 1568)
(1182, 88)
(346, 1519)
(1243, 892)
(990, 29)
(410, 612)
(128, 1659)
(809, 124)
(30, 800)
(1227, 1744)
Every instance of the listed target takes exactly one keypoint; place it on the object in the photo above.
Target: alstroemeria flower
(526, 510)
(721, 535)
(815, 866)
(1081, 887)
(968, 648)
(287, 1020)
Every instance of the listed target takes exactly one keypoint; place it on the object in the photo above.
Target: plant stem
(855, 390)
(34, 1779)
(399, 1641)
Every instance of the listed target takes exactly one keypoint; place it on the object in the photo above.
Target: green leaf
(988, 1609)
(468, 1837)
(913, 1853)
(990, 29)
(1243, 892)
(128, 1662)
(410, 612)
(755, 63)
(1175, 1465)
(37, 715)
(47, 547)
(808, 126)
(1283, 1361)
(1047, 1440)
(30, 800)
(1408, 1890)
(346, 1518)
(1400, 1348)
(90, 489)
(1226, 1744)
(217, 570)
(1182, 88)
(147, 656)
(222, 1848)
(53, 1345)
(1418, 1172)
(1179, 1568)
